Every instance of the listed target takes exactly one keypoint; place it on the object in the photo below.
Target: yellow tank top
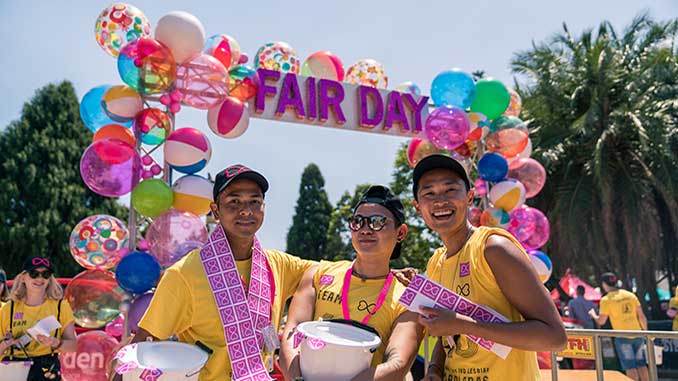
(328, 282)
(469, 275)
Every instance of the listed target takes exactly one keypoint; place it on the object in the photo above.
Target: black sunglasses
(35, 273)
(375, 222)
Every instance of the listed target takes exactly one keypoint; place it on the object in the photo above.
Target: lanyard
(380, 299)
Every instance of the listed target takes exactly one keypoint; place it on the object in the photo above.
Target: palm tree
(603, 114)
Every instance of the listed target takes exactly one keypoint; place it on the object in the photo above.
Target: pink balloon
(243, 58)
(110, 167)
(522, 223)
(474, 214)
(541, 233)
(447, 127)
(531, 173)
(137, 310)
(171, 229)
(203, 81)
(117, 327)
(95, 350)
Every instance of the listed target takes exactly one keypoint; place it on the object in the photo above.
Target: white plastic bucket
(346, 350)
(15, 370)
(175, 361)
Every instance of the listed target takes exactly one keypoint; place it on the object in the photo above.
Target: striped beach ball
(495, 217)
(508, 194)
(121, 103)
(230, 119)
(193, 194)
(187, 150)
(542, 263)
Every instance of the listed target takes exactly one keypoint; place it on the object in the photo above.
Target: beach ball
(152, 197)
(492, 167)
(203, 81)
(447, 127)
(494, 217)
(515, 104)
(541, 233)
(323, 64)
(171, 229)
(91, 360)
(153, 124)
(182, 33)
(110, 167)
(474, 214)
(523, 223)
(193, 194)
(121, 103)
(453, 88)
(95, 298)
(530, 173)
(508, 194)
(419, 149)
(230, 119)
(137, 273)
(278, 56)
(138, 309)
(409, 87)
(115, 131)
(119, 24)
(367, 72)
(224, 48)
(542, 263)
(99, 242)
(244, 82)
(147, 66)
(492, 98)
(92, 112)
(480, 126)
(187, 150)
(524, 154)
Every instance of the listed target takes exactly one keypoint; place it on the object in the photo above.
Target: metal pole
(598, 353)
(554, 367)
(651, 361)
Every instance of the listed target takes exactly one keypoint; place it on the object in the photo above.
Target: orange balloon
(116, 131)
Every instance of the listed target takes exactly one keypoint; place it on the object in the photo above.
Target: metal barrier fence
(596, 334)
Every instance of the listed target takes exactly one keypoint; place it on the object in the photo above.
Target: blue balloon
(453, 88)
(137, 272)
(492, 167)
(91, 111)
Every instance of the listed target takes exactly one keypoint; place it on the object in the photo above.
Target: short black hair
(581, 290)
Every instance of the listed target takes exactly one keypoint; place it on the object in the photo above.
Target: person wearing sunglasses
(36, 295)
(363, 291)
(4, 292)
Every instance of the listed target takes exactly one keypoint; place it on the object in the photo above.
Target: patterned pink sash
(243, 317)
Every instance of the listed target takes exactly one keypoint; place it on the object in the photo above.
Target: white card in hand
(44, 327)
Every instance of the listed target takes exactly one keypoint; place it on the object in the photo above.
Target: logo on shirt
(18, 315)
(326, 280)
(465, 269)
(464, 289)
(626, 308)
(363, 305)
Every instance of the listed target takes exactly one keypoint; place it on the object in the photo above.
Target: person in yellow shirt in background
(363, 291)
(489, 267)
(625, 313)
(35, 295)
(672, 312)
(4, 292)
(189, 305)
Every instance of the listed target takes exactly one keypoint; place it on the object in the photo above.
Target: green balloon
(492, 98)
(152, 197)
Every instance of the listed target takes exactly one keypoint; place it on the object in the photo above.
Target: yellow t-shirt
(26, 317)
(362, 299)
(183, 304)
(673, 303)
(468, 274)
(620, 306)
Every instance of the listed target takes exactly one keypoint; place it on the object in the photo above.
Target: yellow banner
(578, 347)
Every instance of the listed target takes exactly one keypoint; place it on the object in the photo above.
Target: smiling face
(39, 283)
(443, 201)
(378, 243)
(240, 208)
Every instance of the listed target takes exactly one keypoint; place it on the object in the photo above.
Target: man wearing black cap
(230, 294)
(489, 267)
(363, 290)
(625, 313)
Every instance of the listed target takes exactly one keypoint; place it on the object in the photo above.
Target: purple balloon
(184, 248)
(447, 127)
(522, 223)
(171, 229)
(541, 233)
(137, 310)
(110, 167)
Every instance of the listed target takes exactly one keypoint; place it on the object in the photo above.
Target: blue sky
(49, 41)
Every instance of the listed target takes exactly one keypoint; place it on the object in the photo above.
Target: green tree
(306, 237)
(603, 111)
(338, 239)
(43, 196)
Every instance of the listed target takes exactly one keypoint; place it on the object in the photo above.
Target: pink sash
(243, 317)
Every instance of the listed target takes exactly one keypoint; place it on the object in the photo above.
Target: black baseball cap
(382, 195)
(36, 262)
(436, 161)
(237, 172)
(610, 279)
